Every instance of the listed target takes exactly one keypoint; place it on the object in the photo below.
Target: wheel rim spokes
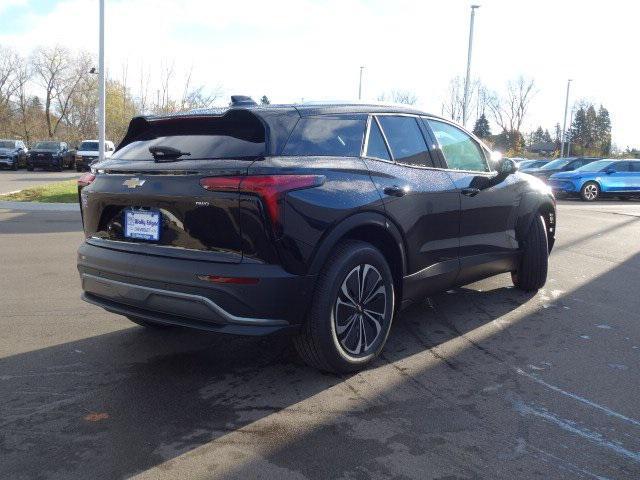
(360, 309)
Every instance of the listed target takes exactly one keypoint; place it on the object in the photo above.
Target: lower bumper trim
(164, 304)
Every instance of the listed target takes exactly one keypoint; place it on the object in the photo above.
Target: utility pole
(360, 84)
(101, 87)
(569, 136)
(564, 122)
(465, 101)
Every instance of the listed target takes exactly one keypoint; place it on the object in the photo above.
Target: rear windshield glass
(47, 146)
(4, 144)
(326, 136)
(89, 146)
(238, 134)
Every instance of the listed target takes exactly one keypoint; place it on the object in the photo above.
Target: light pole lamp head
(473, 7)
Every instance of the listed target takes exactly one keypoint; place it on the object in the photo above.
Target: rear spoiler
(278, 124)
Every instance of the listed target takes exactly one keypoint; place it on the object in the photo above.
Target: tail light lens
(270, 188)
(86, 179)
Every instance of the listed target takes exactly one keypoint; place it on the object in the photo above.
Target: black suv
(323, 220)
(13, 154)
(50, 155)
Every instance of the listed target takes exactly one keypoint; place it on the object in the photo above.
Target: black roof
(302, 109)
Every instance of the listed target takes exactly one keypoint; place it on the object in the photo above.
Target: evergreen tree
(537, 136)
(557, 138)
(547, 137)
(265, 100)
(578, 130)
(482, 128)
(590, 128)
(603, 131)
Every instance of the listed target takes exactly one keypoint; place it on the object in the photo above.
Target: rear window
(89, 146)
(326, 136)
(238, 134)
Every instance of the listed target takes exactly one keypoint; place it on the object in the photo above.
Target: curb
(38, 206)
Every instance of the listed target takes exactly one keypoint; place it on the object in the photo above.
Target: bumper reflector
(232, 280)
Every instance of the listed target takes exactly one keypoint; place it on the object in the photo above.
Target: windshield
(594, 166)
(6, 144)
(47, 146)
(89, 146)
(556, 164)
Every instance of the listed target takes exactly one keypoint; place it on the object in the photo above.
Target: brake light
(86, 179)
(270, 188)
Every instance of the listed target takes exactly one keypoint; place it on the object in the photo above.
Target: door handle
(470, 192)
(395, 191)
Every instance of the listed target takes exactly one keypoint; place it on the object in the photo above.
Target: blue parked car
(620, 178)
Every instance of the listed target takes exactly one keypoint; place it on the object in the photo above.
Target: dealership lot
(482, 381)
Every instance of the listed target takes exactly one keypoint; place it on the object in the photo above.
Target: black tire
(590, 192)
(145, 323)
(534, 263)
(319, 343)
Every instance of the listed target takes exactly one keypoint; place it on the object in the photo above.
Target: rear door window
(460, 151)
(326, 136)
(405, 140)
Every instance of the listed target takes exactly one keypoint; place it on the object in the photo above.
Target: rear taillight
(270, 188)
(86, 179)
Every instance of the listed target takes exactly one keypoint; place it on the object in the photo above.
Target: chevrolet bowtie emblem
(133, 182)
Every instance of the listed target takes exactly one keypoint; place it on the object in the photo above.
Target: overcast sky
(312, 49)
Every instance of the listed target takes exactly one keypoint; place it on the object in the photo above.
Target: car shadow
(120, 403)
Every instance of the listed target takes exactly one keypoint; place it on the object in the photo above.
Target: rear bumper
(168, 290)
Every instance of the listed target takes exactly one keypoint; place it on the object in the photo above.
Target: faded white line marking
(586, 401)
(571, 427)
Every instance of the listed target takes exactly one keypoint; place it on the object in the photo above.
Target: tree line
(588, 134)
(52, 93)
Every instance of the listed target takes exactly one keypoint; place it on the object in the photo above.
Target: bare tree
(406, 97)
(510, 110)
(60, 74)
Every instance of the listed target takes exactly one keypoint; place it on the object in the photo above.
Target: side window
(635, 166)
(405, 140)
(326, 136)
(460, 151)
(622, 167)
(376, 147)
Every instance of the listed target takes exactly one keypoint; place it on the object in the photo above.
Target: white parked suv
(88, 153)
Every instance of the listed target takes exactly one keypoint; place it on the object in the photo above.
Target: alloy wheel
(590, 192)
(360, 310)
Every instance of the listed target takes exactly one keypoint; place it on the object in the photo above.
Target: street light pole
(564, 122)
(101, 87)
(465, 101)
(360, 84)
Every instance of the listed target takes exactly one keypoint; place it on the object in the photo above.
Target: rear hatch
(157, 205)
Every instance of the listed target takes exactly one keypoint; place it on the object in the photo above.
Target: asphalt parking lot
(479, 382)
(11, 181)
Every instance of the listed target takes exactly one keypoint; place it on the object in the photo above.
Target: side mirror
(506, 166)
